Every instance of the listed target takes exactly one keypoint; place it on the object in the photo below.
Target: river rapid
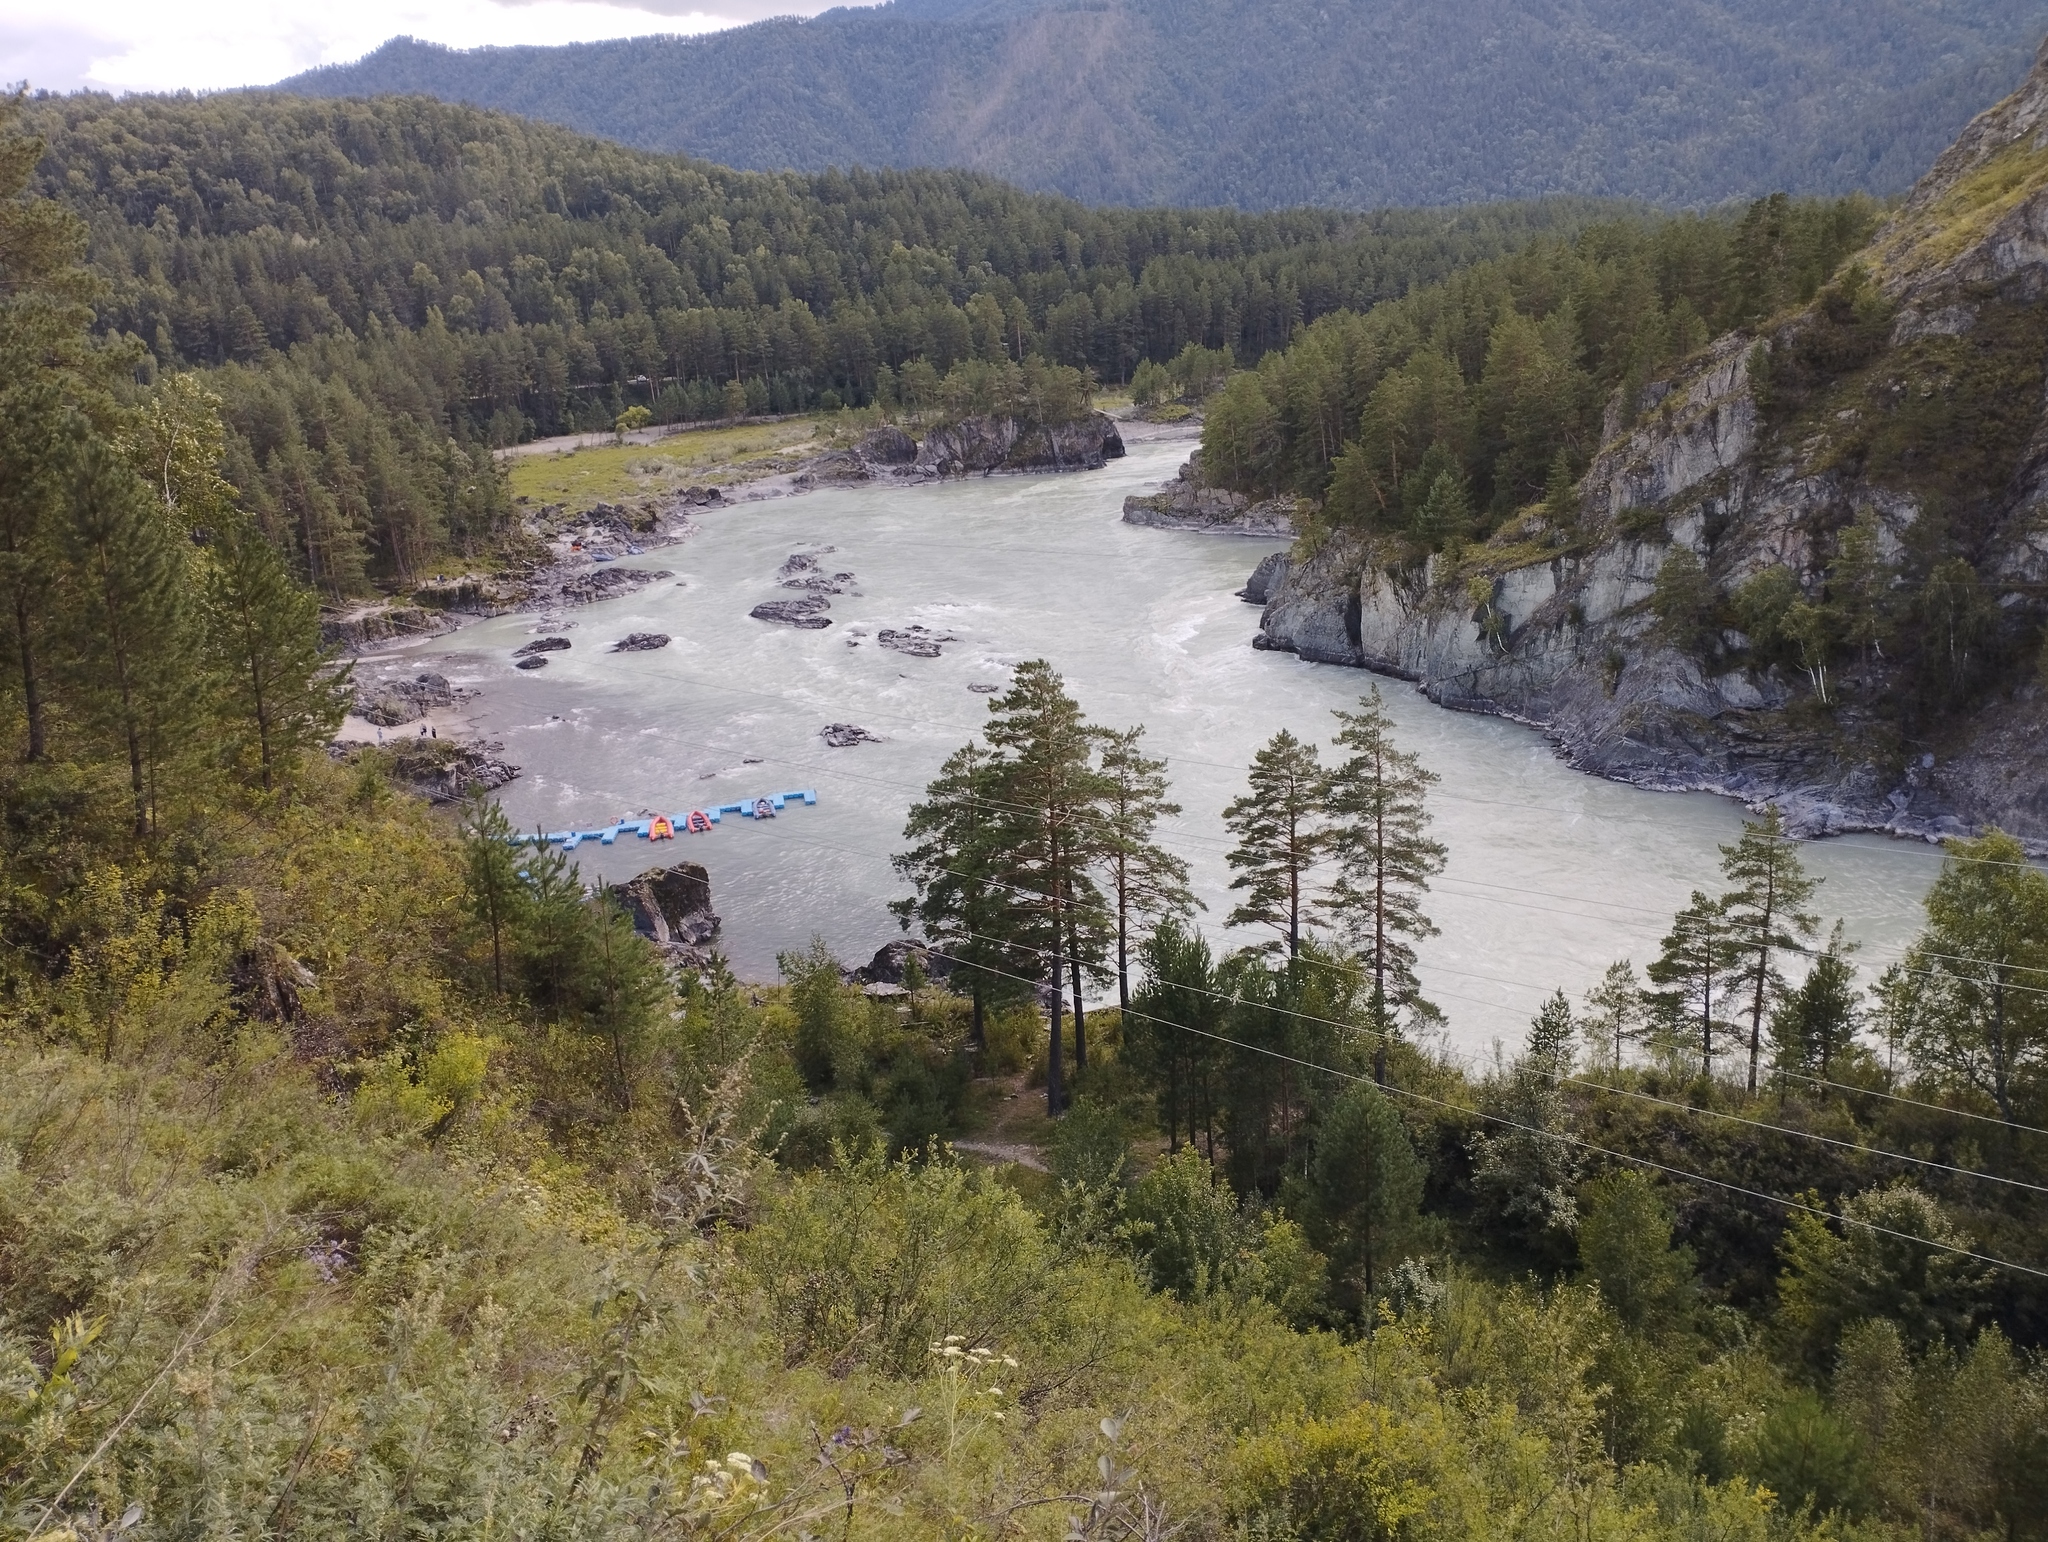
(1552, 874)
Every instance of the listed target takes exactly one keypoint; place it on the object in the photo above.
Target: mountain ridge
(1223, 102)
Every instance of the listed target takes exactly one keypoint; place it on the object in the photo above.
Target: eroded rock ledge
(1188, 502)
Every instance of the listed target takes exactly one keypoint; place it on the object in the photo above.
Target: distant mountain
(1266, 103)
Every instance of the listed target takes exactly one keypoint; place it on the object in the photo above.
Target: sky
(207, 45)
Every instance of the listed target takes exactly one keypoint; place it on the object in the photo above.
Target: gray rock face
(1010, 444)
(1189, 503)
(641, 642)
(1265, 578)
(361, 630)
(603, 583)
(804, 613)
(672, 905)
(390, 703)
(887, 446)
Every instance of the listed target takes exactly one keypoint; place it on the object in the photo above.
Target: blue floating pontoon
(765, 807)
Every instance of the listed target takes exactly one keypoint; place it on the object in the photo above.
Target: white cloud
(170, 45)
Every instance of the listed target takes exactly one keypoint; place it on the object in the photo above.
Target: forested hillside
(365, 1175)
(1779, 539)
(1268, 103)
(384, 291)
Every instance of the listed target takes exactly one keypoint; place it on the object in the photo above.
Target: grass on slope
(627, 473)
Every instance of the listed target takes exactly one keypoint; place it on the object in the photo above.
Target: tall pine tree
(1050, 800)
(1146, 882)
(1379, 826)
(1764, 916)
(1698, 966)
(1281, 838)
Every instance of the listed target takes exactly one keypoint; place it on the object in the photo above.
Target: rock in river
(541, 645)
(843, 736)
(915, 641)
(799, 613)
(537, 661)
(641, 642)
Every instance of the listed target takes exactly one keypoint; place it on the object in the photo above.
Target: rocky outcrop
(1265, 578)
(444, 771)
(1554, 625)
(986, 445)
(641, 642)
(604, 583)
(892, 960)
(1188, 502)
(369, 626)
(672, 906)
(541, 645)
(391, 703)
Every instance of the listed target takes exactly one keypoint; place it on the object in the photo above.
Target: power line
(1585, 1145)
(1560, 1080)
(1484, 899)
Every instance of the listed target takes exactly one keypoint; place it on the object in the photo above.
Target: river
(1552, 874)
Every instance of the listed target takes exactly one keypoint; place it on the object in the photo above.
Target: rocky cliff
(978, 445)
(1906, 403)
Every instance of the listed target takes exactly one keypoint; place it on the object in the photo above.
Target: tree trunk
(1080, 1018)
(31, 687)
(979, 1033)
(1054, 1092)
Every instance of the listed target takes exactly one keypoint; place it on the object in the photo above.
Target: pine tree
(1616, 1013)
(49, 372)
(1764, 916)
(129, 643)
(1365, 1182)
(1697, 967)
(1379, 827)
(1281, 835)
(1049, 803)
(263, 634)
(1146, 883)
(954, 865)
(1172, 1036)
(491, 875)
(1818, 1023)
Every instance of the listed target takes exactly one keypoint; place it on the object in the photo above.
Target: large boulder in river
(672, 905)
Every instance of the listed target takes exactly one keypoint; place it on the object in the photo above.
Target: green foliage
(1686, 604)
(1878, 1267)
(1977, 1019)
(1434, 418)
(1625, 1246)
(1365, 1184)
